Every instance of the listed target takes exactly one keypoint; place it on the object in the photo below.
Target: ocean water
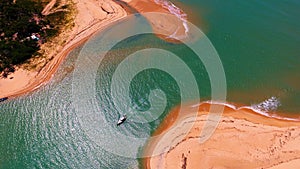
(257, 42)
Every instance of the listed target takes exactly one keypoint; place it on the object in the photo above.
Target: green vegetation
(23, 29)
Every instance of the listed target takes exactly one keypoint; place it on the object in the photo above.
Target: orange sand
(243, 139)
(92, 16)
(162, 24)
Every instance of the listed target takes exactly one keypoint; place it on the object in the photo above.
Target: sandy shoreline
(92, 16)
(243, 139)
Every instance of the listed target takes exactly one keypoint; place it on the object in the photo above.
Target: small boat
(122, 119)
(3, 99)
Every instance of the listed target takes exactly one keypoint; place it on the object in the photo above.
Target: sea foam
(268, 105)
(265, 108)
(179, 13)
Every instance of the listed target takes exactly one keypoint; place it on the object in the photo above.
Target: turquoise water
(257, 42)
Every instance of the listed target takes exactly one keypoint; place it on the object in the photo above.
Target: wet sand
(92, 16)
(243, 139)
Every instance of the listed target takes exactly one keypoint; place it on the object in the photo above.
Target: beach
(243, 139)
(91, 16)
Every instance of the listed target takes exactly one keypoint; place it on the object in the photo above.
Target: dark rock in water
(3, 99)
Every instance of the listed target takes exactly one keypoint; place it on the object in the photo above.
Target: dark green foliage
(18, 21)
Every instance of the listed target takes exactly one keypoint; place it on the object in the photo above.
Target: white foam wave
(173, 9)
(268, 105)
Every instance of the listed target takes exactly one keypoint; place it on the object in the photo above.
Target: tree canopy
(22, 30)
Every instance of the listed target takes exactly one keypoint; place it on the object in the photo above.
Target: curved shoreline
(255, 111)
(241, 115)
(101, 14)
(241, 131)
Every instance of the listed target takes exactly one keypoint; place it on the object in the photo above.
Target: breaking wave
(267, 105)
(173, 9)
(265, 108)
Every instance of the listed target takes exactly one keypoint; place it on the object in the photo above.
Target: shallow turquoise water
(257, 42)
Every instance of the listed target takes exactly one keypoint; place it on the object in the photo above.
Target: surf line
(179, 13)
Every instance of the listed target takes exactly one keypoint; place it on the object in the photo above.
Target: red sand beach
(243, 139)
(92, 16)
